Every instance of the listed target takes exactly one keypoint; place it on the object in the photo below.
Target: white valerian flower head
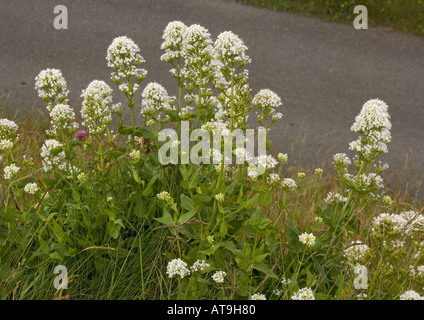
(199, 266)
(6, 145)
(48, 159)
(267, 102)
(95, 111)
(411, 295)
(220, 197)
(10, 171)
(197, 41)
(371, 182)
(273, 178)
(318, 171)
(135, 155)
(177, 267)
(265, 162)
(82, 177)
(230, 48)
(51, 87)
(230, 56)
(301, 175)
(219, 276)
(62, 117)
(156, 102)
(8, 129)
(210, 239)
(172, 41)
(164, 195)
(288, 184)
(308, 239)
(31, 188)
(341, 159)
(303, 294)
(123, 55)
(258, 296)
(334, 198)
(252, 172)
(283, 157)
(405, 223)
(356, 251)
(373, 123)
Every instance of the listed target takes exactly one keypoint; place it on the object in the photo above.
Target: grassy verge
(405, 16)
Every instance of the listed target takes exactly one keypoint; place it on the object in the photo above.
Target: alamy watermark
(361, 280)
(61, 281)
(361, 20)
(61, 20)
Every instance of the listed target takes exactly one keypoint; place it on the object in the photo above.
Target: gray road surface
(323, 71)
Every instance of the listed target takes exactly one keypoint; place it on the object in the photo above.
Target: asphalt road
(323, 71)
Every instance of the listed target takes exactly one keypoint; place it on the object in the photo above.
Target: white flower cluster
(267, 102)
(416, 272)
(273, 178)
(265, 162)
(258, 296)
(156, 102)
(372, 181)
(219, 276)
(334, 197)
(164, 195)
(341, 161)
(356, 251)
(199, 266)
(373, 123)
(308, 239)
(31, 188)
(52, 88)
(123, 55)
(8, 129)
(172, 43)
(95, 111)
(260, 166)
(217, 127)
(177, 267)
(62, 117)
(49, 160)
(10, 171)
(411, 295)
(230, 54)
(288, 184)
(220, 197)
(404, 223)
(303, 294)
(135, 155)
(283, 157)
(6, 145)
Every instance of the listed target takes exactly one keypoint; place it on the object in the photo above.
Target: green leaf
(252, 201)
(223, 228)
(187, 216)
(149, 188)
(194, 179)
(265, 269)
(136, 176)
(293, 237)
(166, 219)
(136, 131)
(186, 202)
